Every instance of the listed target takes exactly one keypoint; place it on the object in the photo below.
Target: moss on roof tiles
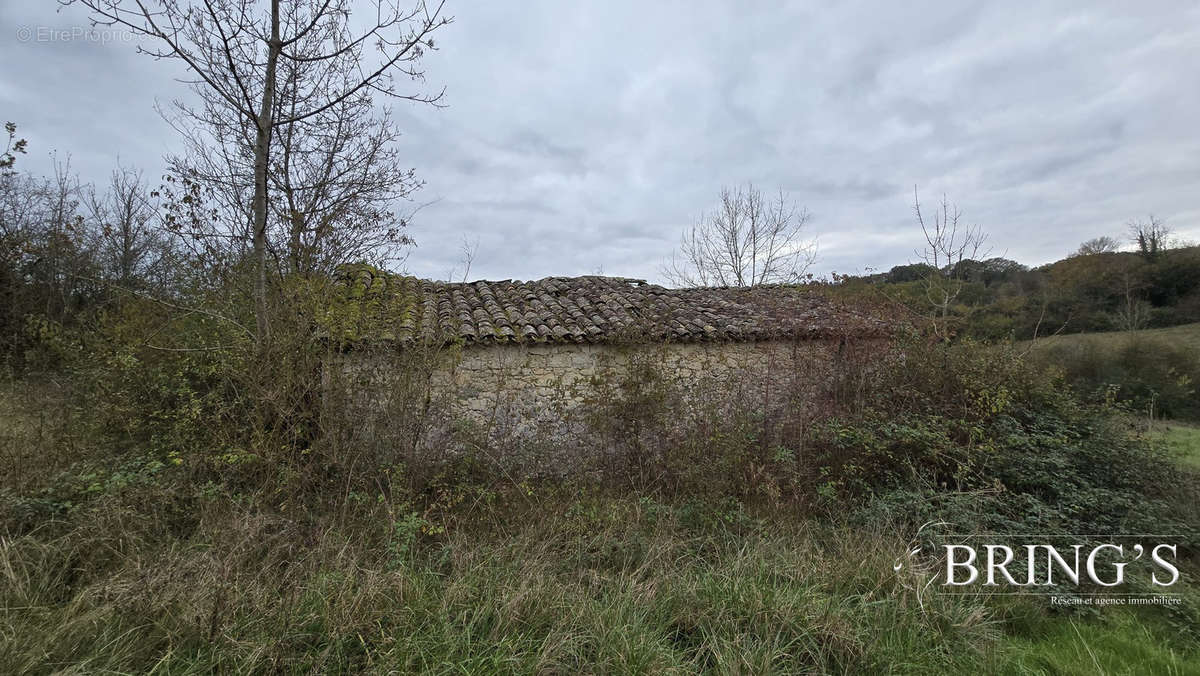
(377, 305)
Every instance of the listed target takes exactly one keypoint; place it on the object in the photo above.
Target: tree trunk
(262, 156)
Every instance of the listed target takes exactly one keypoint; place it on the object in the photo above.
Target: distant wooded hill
(1001, 298)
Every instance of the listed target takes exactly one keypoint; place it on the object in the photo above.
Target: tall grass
(608, 585)
(585, 585)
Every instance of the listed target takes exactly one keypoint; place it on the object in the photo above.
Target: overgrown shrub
(985, 422)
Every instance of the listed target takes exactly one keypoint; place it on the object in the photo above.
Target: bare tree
(339, 179)
(948, 242)
(261, 71)
(128, 247)
(1134, 312)
(1098, 245)
(749, 240)
(334, 181)
(1150, 236)
(469, 249)
(44, 236)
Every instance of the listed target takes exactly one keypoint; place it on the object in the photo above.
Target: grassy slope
(1186, 335)
(1182, 438)
(1154, 372)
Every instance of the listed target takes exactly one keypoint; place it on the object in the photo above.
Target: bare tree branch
(948, 242)
(748, 241)
(293, 164)
(1151, 236)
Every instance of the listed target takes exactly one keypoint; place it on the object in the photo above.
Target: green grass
(1118, 643)
(1155, 373)
(1182, 439)
(155, 574)
(1187, 335)
(602, 586)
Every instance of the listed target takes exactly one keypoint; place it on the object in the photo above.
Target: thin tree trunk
(262, 149)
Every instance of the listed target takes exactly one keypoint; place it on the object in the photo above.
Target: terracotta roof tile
(590, 309)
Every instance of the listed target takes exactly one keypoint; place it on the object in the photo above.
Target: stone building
(525, 348)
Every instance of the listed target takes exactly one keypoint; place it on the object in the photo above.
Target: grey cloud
(586, 136)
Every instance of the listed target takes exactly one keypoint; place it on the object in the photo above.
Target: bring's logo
(1136, 569)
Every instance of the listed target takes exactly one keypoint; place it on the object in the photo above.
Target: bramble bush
(983, 427)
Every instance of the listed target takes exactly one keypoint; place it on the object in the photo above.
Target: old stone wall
(536, 377)
(480, 381)
(529, 408)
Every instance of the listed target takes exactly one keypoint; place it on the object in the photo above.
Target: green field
(1186, 335)
(1183, 441)
(1154, 374)
(1181, 437)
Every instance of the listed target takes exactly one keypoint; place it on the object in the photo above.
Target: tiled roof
(590, 309)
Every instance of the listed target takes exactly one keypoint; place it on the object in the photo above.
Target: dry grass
(587, 585)
(609, 586)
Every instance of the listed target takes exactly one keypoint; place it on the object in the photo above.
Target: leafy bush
(986, 423)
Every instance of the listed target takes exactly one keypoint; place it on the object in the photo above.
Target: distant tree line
(65, 246)
(1097, 288)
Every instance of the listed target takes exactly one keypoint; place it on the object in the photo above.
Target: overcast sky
(584, 137)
